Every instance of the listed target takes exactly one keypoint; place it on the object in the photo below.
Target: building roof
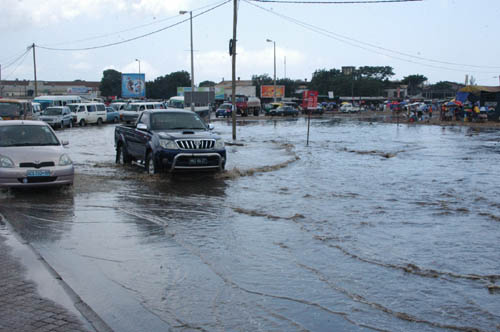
(480, 88)
(89, 84)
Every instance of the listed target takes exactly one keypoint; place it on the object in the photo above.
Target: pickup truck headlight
(6, 162)
(65, 160)
(168, 144)
(219, 144)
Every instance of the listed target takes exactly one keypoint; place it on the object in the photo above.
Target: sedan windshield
(27, 135)
(174, 120)
(52, 111)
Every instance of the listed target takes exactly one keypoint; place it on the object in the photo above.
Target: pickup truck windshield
(173, 121)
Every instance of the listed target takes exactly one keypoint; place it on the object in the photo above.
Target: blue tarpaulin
(462, 96)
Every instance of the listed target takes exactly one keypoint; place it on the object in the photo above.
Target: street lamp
(182, 12)
(139, 65)
(274, 90)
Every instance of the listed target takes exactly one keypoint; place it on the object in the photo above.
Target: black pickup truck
(170, 140)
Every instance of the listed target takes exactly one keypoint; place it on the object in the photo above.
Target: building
(243, 87)
(26, 88)
(398, 92)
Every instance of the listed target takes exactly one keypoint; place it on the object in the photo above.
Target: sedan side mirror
(142, 126)
(64, 143)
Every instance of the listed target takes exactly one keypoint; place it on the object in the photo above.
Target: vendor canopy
(477, 89)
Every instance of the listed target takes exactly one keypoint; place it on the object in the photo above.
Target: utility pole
(233, 97)
(274, 90)
(34, 69)
(285, 67)
(192, 63)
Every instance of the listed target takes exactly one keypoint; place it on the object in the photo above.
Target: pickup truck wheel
(150, 164)
(82, 123)
(99, 121)
(122, 156)
(115, 120)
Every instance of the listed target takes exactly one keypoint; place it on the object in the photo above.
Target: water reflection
(40, 214)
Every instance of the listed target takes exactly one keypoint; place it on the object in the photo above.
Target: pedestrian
(430, 112)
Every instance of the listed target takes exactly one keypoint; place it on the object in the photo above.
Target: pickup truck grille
(195, 144)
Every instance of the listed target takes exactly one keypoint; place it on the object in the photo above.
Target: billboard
(309, 99)
(133, 86)
(267, 91)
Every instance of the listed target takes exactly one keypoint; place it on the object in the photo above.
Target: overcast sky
(441, 39)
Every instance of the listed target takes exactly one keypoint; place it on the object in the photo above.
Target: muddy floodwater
(371, 227)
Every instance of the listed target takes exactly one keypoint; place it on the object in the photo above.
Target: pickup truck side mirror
(211, 126)
(142, 126)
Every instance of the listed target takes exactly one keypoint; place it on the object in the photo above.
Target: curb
(85, 310)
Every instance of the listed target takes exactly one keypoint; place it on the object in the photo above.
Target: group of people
(463, 112)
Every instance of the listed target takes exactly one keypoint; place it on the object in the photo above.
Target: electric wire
(133, 38)
(127, 30)
(20, 62)
(333, 2)
(16, 59)
(352, 42)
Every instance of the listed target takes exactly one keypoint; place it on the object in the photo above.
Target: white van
(133, 110)
(84, 113)
(37, 110)
(47, 101)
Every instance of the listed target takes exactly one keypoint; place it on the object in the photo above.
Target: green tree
(365, 81)
(442, 85)
(111, 83)
(414, 83)
(164, 87)
(381, 73)
(207, 84)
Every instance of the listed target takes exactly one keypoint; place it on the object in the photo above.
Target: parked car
(289, 110)
(349, 108)
(224, 110)
(57, 116)
(32, 155)
(272, 109)
(119, 107)
(112, 115)
(1, 118)
(170, 140)
(88, 113)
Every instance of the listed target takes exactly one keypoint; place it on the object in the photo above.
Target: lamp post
(182, 12)
(274, 90)
(139, 65)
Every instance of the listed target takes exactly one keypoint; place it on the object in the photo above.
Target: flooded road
(371, 227)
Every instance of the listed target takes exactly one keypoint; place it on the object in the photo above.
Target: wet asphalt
(372, 226)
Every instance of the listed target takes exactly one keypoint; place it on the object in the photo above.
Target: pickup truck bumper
(174, 160)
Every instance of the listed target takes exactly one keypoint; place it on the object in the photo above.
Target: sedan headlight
(6, 162)
(168, 144)
(65, 160)
(219, 144)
